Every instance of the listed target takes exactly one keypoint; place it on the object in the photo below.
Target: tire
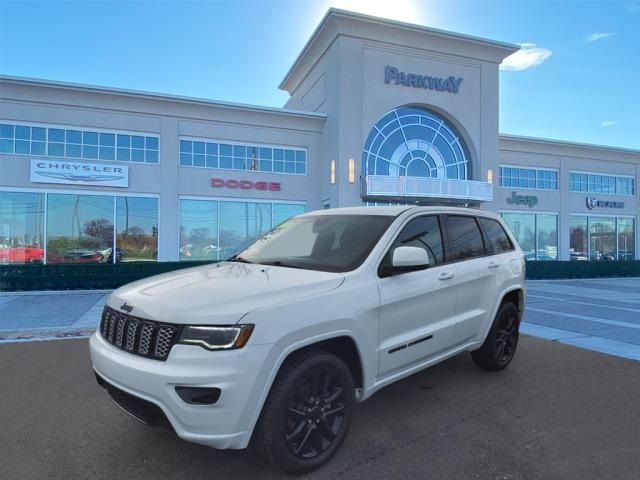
(307, 413)
(499, 347)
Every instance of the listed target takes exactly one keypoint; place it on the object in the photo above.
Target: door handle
(493, 265)
(445, 276)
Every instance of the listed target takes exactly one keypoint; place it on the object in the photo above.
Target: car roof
(397, 210)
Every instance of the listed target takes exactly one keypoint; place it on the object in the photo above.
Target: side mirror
(409, 259)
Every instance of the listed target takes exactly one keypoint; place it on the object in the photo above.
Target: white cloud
(528, 56)
(608, 123)
(594, 37)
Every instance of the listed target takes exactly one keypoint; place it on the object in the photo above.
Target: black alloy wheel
(307, 413)
(316, 415)
(499, 347)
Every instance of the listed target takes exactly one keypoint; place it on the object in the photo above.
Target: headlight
(216, 338)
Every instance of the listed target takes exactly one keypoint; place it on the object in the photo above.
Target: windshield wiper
(278, 263)
(238, 258)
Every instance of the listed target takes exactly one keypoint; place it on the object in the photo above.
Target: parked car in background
(277, 343)
(22, 254)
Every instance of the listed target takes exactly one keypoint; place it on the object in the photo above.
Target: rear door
(475, 278)
(417, 308)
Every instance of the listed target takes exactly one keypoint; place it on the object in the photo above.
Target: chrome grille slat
(138, 336)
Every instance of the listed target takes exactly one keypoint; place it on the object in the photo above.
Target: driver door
(417, 309)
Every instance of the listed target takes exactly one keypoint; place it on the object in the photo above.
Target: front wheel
(499, 347)
(308, 411)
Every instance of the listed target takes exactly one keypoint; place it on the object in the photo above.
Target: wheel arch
(515, 294)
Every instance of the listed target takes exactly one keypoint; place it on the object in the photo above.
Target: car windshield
(330, 243)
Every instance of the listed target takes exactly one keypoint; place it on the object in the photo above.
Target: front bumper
(239, 374)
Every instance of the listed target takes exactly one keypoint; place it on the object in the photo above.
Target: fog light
(199, 395)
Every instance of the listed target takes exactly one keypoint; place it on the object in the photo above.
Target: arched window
(415, 142)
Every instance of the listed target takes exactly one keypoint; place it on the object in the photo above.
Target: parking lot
(558, 412)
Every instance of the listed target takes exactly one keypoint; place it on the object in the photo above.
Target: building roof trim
(158, 96)
(566, 143)
(346, 14)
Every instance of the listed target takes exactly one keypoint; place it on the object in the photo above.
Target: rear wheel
(499, 347)
(308, 411)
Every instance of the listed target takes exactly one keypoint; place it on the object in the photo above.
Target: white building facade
(379, 112)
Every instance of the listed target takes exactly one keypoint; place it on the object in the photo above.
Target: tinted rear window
(496, 236)
(465, 238)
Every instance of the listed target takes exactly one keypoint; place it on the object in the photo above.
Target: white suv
(276, 344)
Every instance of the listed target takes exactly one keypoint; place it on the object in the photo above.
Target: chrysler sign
(75, 173)
(245, 184)
(448, 84)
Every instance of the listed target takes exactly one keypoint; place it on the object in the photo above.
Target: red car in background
(22, 254)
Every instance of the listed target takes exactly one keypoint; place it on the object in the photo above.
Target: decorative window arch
(415, 142)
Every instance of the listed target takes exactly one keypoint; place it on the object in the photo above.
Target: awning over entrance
(425, 190)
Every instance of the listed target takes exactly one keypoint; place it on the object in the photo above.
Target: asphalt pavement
(558, 412)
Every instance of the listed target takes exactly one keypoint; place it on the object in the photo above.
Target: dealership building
(380, 112)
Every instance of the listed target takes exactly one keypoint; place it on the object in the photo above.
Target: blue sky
(577, 79)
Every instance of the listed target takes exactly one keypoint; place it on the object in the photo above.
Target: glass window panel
(602, 238)
(136, 230)
(266, 153)
(289, 167)
(240, 163)
(626, 239)
(21, 227)
(198, 160)
(578, 238)
(23, 133)
(226, 150)
(151, 156)
(89, 151)
(123, 154)
(289, 155)
(90, 138)
(22, 146)
(198, 147)
(124, 140)
(151, 143)
(186, 146)
(226, 162)
(301, 156)
(212, 148)
(38, 148)
(547, 237)
(241, 223)
(79, 228)
(186, 159)
(266, 165)
(523, 227)
(6, 145)
(39, 134)
(278, 166)
(284, 211)
(199, 230)
(278, 154)
(212, 161)
(56, 135)
(107, 153)
(6, 131)
(301, 168)
(137, 141)
(465, 237)
(108, 139)
(74, 136)
(137, 155)
(241, 151)
(56, 149)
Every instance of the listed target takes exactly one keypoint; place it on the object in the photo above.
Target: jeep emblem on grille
(126, 308)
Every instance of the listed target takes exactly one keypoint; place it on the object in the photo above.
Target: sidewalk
(26, 316)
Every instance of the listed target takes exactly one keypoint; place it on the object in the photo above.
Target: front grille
(137, 335)
(140, 409)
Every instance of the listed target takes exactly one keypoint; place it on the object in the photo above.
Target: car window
(465, 239)
(422, 232)
(496, 236)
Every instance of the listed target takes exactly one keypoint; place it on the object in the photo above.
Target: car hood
(218, 294)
